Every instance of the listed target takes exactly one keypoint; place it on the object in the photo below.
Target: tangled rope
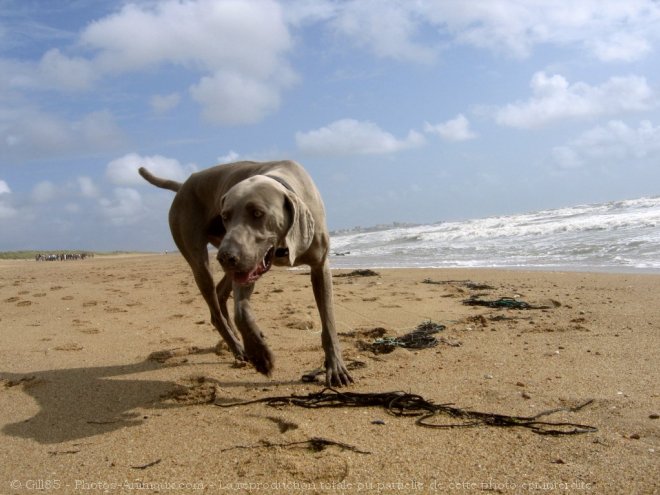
(405, 404)
(503, 302)
(420, 338)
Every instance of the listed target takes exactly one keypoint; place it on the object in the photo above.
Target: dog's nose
(227, 259)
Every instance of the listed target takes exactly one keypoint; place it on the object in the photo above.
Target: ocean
(619, 236)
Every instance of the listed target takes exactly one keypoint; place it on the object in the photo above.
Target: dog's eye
(257, 213)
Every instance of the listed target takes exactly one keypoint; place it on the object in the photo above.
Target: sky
(408, 111)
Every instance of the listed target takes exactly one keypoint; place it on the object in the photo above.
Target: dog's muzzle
(230, 264)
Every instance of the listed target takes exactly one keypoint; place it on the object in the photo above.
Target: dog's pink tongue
(244, 277)
(247, 277)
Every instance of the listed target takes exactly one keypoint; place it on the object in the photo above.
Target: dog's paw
(237, 350)
(336, 374)
(261, 358)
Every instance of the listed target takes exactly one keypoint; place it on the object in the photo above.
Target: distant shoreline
(30, 254)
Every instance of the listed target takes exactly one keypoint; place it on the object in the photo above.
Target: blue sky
(401, 111)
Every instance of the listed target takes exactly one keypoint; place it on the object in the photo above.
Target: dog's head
(260, 218)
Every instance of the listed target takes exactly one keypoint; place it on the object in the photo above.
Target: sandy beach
(110, 383)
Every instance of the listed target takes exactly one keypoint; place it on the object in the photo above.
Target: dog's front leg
(223, 290)
(335, 369)
(256, 349)
(204, 281)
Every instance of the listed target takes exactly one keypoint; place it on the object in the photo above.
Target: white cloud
(54, 71)
(303, 12)
(124, 170)
(566, 157)
(418, 31)
(4, 187)
(616, 141)
(25, 129)
(87, 187)
(209, 35)
(44, 192)
(125, 208)
(554, 99)
(623, 47)
(230, 157)
(69, 73)
(352, 137)
(6, 210)
(386, 28)
(518, 27)
(239, 47)
(203, 34)
(29, 132)
(99, 130)
(457, 129)
(72, 208)
(233, 99)
(164, 103)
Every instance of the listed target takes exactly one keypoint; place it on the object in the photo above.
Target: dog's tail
(172, 185)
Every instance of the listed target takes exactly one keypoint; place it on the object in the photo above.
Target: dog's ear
(300, 234)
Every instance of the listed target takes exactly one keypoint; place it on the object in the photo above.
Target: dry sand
(109, 379)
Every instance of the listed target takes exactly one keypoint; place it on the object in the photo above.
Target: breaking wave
(619, 236)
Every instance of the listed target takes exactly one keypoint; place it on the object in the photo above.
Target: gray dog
(257, 215)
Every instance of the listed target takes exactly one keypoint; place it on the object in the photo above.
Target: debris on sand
(502, 302)
(359, 273)
(465, 283)
(420, 338)
(406, 404)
